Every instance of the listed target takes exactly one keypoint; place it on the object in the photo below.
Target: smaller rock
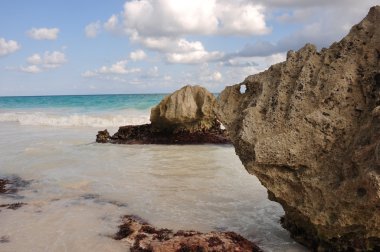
(144, 237)
(189, 109)
(102, 136)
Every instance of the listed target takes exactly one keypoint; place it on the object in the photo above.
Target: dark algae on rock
(144, 237)
(309, 129)
(146, 134)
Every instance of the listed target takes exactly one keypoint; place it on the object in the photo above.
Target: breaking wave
(76, 120)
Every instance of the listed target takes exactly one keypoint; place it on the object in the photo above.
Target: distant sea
(78, 189)
(79, 110)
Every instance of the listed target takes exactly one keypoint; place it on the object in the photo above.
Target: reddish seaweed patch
(143, 237)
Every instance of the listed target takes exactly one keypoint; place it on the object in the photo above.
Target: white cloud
(179, 50)
(38, 63)
(137, 55)
(89, 74)
(8, 47)
(35, 59)
(241, 19)
(30, 69)
(155, 18)
(168, 78)
(43, 33)
(54, 59)
(112, 23)
(185, 52)
(161, 25)
(92, 29)
(193, 57)
(217, 76)
(118, 68)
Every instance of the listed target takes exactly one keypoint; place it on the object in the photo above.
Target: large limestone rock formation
(309, 129)
(191, 108)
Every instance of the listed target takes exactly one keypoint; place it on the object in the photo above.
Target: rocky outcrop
(184, 117)
(142, 236)
(189, 109)
(309, 129)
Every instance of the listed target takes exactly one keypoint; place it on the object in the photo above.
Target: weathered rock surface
(309, 129)
(184, 117)
(189, 109)
(141, 236)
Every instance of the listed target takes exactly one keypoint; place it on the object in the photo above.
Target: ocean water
(79, 189)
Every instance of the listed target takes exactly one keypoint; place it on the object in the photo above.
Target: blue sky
(157, 46)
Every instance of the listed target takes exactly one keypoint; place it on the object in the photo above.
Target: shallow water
(79, 189)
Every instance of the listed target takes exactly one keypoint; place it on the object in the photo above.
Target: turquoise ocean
(79, 110)
(78, 189)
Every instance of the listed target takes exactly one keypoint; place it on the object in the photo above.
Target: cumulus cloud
(155, 18)
(43, 62)
(161, 25)
(319, 25)
(117, 68)
(193, 57)
(30, 69)
(92, 30)
(54, 59)
(137, 55)
(112, 23)
(43, 33)
(35, 59)
(8, 47)
(180, 50)
(217, 76)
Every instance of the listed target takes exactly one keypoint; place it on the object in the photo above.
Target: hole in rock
(377, 81)
(243, 89)
(361, 192)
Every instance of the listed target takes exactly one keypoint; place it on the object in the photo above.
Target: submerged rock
(184, 117)
(142, 236)
(309, 129)
(102, 136)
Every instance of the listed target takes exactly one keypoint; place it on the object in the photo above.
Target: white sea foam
(130, 117)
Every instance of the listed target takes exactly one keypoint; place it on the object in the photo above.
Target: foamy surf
(130, 117)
